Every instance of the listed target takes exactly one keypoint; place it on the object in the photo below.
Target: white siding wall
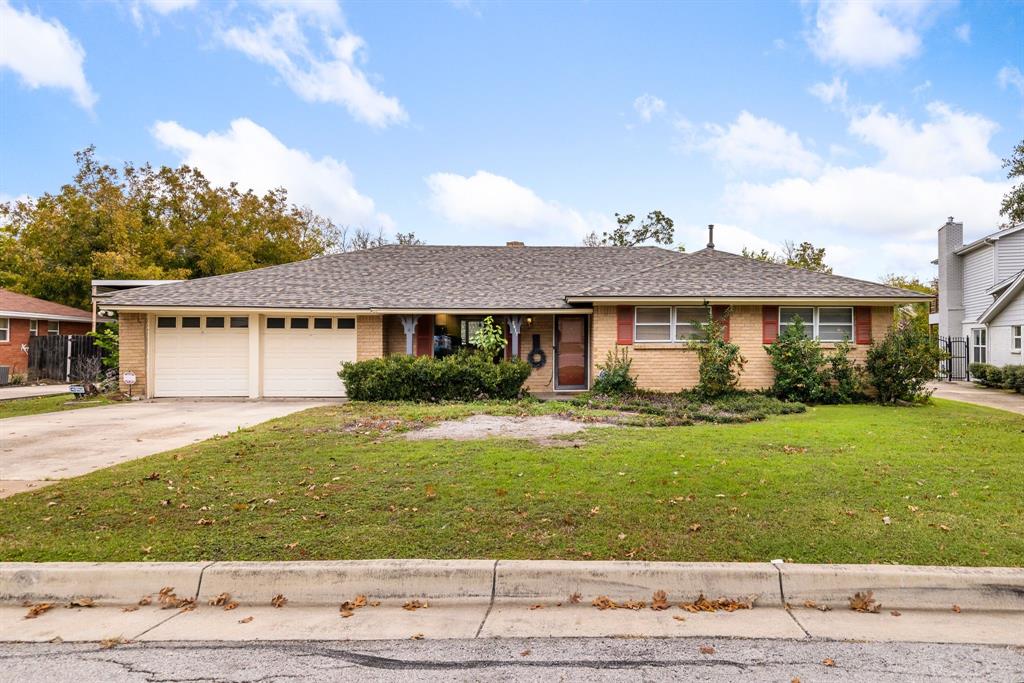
(999, 333)
(1011, 255)
(978, 276)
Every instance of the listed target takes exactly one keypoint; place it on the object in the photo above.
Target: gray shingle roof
(453, 278)
(712, 273)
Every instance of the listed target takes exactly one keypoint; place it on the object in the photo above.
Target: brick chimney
(951, 279)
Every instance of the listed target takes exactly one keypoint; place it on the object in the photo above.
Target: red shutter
(624, 325)
(508, 341)
(425, 335)
(721, 315)
(769, 323)
(862, 324)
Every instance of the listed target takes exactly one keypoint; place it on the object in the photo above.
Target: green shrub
(797, 362)
(843, 377)
(613, 376)
(464, 376)
(720, 361)
(900, 364)
(1013, 378)
(993, 376)
(979, 371)
(652, 408)
(489, 338)
(107, 339)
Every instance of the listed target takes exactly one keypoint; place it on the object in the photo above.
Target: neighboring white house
(981, 292)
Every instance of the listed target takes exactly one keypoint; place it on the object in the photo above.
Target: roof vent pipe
(711, 235)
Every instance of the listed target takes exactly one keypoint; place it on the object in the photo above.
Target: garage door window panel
(322, 323)
(240, 322)
(299, 323)
(165, 322)
(190, 322)
(346, 323)
(275, 323)
(214, 323)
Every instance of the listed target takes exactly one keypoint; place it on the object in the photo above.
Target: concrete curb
(483, 581)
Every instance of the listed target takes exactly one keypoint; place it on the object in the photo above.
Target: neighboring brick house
(283, 330)
(22, 317)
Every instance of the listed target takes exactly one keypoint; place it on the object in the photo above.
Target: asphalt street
(581, 659)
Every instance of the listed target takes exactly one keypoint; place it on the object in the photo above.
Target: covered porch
(556, 344)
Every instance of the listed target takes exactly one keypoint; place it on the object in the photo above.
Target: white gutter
(22, 315)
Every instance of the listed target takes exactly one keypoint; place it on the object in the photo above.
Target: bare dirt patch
(540, 428)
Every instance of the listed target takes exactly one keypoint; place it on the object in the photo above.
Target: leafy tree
(916, 314)
(142, 222)
(902, 363)
(804, 255)
(489, 338)
(106, 337)
(720, 361)
(656, 227)
(1013, 201)
(797, 361)
(361, 238)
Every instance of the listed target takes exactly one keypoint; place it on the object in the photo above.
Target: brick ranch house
(283, 330)
(23, 317)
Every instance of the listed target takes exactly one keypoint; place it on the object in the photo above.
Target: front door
(570, 352)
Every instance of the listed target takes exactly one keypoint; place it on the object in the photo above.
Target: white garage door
(302, 356)
(201, 356)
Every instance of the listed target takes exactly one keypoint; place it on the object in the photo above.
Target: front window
(827, 324)
(1015, 341)
(669, 323)
(979, 354)
(5, 329)
(53, 327)
(33, 328)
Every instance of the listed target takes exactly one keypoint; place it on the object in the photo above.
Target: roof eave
(36, 315)
(859, 301)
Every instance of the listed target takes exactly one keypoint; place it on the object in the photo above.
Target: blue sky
(857, 126)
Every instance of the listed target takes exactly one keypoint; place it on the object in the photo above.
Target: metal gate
(64, 357)
(956, 365)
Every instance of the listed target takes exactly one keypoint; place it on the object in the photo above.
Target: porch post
(515, 323)
(409, 325)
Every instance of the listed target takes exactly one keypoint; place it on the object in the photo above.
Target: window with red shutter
(769, 323)
(862, 324)
(721, 315)
(624, 325)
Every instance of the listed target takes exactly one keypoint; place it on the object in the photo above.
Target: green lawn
(48, 404)
(341, 482)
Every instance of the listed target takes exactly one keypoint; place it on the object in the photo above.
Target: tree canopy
(804, 255)
(141, 222)
(1013, 202)
(656, 227)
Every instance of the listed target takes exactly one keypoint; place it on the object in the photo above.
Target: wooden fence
(64, 357)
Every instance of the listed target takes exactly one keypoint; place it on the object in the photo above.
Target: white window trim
(672, 323)
(976, 346)
(52, 322)
(1015, 338)
(5, 330)
(814, 323)
(33, 328)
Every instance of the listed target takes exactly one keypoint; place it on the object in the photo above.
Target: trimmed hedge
(1006, 377)
(464, 376)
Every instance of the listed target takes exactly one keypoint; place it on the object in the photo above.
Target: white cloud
(950, 143)
(963, 33)
(753, 143)
(161, 7)
(921, 87)
(1011, 76)
(43, 54)
(331, 73)
(868, 33)
(485, 201)
(253, 157)
(648, 106)
(829, 93)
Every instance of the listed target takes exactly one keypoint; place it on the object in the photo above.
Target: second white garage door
(302, 356)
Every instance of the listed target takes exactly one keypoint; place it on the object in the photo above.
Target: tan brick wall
(369, 337)
(394, 335)
(664, 367)
(131, 331)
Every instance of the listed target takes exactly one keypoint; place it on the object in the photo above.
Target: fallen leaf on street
(37, 609)
(537, 606)
(679, 617)
(524, 653)
(810, 604)
(603, 602)
(865, 602)
(702, 604)
(575, 598)
(633, 604)
(279, 601)
(895, 613)
(220, 600)
(416, 636)
(414, 605)
(707, 650)
(956, 608)
(245, 620)
(81, 602)
(828, 661)
(108, 643)
(659, 601)
(130, 608)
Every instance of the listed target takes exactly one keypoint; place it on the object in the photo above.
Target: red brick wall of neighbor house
(671, 367)
(11, 354)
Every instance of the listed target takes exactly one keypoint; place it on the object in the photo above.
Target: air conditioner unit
(5, 375)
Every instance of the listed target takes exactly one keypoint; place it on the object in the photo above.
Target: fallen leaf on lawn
(679, 617)
(695, 527)
(603, 602)
(430, 491)
(537, 606)
(810, 604)
(220, 600)
(416, 636)
(279, 601)
(81, 602)
(291, 546)
(944, 527)
(702, 604)
(828, 661)
(37, 609)
(108, 643)
(886, 520)
(659, 601)
(956, 608)
(575, 598)
(414, 605)
(245, 620)
(895, 613)
(707, 650)
(913, 508)
(865, 602)
(621, 536)
(204, 522)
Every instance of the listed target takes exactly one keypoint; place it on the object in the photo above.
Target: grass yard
(940, 484)
(48, 404)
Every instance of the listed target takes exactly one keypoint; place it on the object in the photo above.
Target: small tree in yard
(489, 338)
(902, 363)
(106, 338)
(720, 361)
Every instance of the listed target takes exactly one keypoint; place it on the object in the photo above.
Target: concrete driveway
(49, 446)
(969, 392)
(31, 391)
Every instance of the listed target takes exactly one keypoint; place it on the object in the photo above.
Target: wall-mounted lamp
(529, 321)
